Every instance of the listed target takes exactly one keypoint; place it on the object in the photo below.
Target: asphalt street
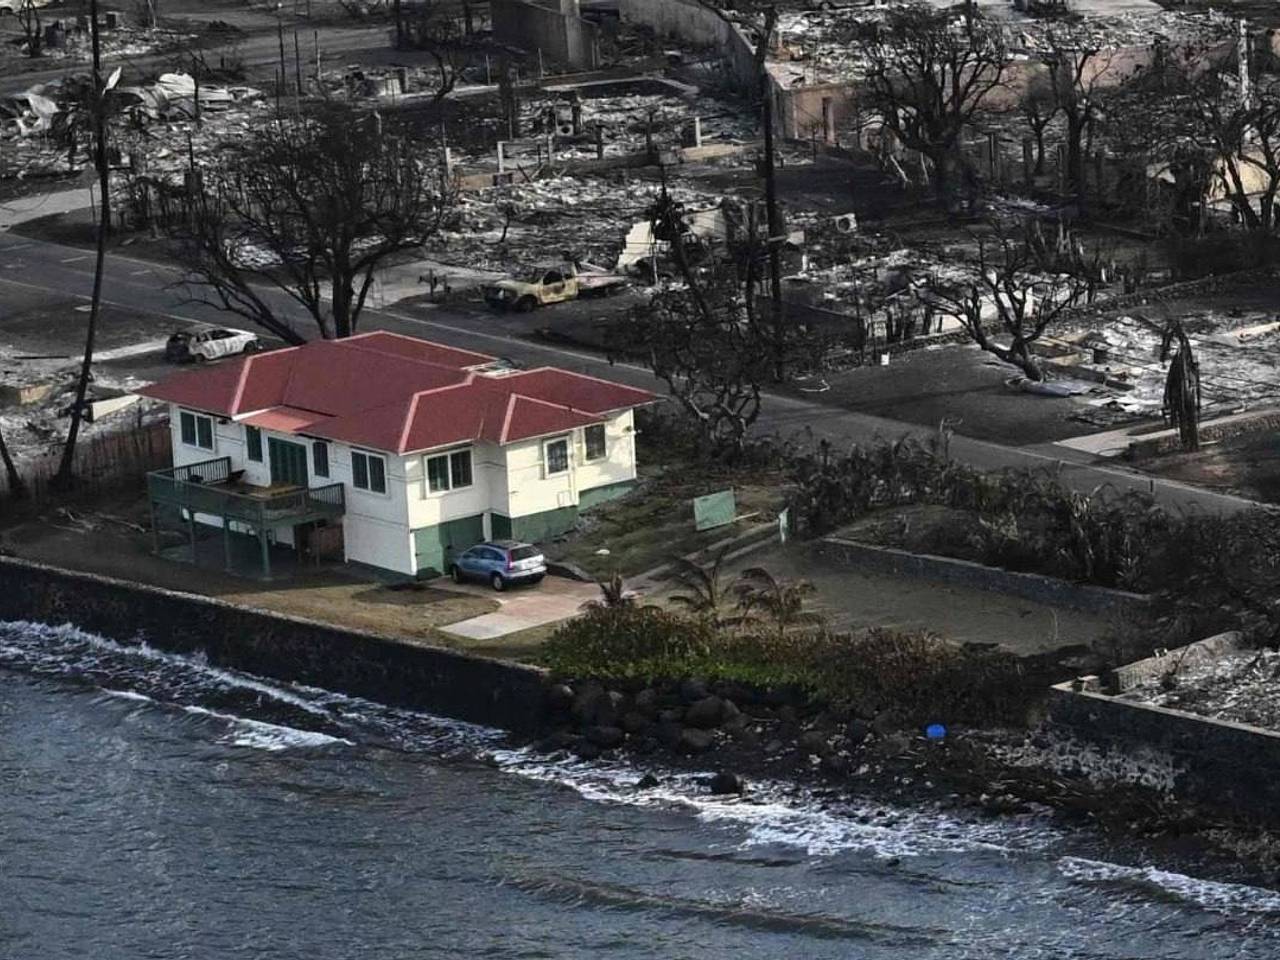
(146, 305)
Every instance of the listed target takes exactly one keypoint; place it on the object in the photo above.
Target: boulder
(671, 715)
(647, 701)
(812, 744)
(726, 783)
(835, 765)
(586, 701)
(605, 737)
(587, 750)
(705, 713)
(730, 710)
(692, 691)
(648, 782)
(695, 741)
(668, 732)
(856, 732)
(560, 698)
(634, 722)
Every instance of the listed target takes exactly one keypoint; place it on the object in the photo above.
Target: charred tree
(312, 208)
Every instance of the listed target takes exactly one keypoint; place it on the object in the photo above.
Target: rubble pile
(1238, 355)
(69, 40)
(816, 44)
(45, 133)
(1239, 686)
(505, 228)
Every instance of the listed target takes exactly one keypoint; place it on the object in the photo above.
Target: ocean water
(154, 806)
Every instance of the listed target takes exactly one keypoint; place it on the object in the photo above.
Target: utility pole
(774, 239)
(65, 475)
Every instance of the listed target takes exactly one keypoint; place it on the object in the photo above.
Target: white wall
(488, 490)
(619, 463)
(377, 527)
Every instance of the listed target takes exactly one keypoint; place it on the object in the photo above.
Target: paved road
(55, 276)
(259, 51)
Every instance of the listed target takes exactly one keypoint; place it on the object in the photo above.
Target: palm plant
(614, 595)
(761, 594)
(709, 596)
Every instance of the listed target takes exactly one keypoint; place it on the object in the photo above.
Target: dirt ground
(1248, 466)
(852, 599)
(110, 540)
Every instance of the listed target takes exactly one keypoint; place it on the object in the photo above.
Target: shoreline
(776, 735)
(970, 771)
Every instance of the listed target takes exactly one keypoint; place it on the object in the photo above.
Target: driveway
(519, 608)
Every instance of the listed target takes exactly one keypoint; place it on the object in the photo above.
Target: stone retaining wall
(391, 671)
(1224, 429)
(1230, 767)
(1029, 586)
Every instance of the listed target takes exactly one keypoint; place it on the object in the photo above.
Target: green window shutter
(253, 444)
(187, 423)
(437, 474)
(320, 458)
(594, 439)
(359, 470)
(377, 474)
(460, 468)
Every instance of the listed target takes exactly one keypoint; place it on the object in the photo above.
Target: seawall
(1225, 766)
(392, 671)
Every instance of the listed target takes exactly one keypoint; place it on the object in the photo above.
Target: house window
(253, 444)
(449, 471)
(320, 458)
(197, 431)
(368, 472)
(593, 440)
(557, 456)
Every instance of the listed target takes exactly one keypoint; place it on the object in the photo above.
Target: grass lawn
(106, 538)
(653, 524)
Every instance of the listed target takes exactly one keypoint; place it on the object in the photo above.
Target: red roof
(385, 391)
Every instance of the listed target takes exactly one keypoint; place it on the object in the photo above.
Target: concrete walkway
(22, 209)
(552, 600)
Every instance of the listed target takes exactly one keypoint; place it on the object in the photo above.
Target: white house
(413, 449)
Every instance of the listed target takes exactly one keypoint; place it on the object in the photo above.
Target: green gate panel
(433, 547)
(538, 527)
(598, 495)
(714, 510)
(501, 526)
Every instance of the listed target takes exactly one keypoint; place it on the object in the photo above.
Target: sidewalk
(22, 209)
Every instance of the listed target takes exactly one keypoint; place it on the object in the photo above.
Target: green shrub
(911, 678)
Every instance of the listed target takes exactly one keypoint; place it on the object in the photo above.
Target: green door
(435, 546)
(288, 462)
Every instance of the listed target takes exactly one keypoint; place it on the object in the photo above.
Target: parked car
(500, 563)
(16, 6)
(210, 344)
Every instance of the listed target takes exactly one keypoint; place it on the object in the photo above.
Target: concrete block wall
(563, 37)
(385, 669)
(1232, 768)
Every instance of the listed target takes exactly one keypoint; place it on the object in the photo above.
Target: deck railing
(204, 487)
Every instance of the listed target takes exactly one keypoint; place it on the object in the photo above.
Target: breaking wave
(252, 713)
(1233, 899)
